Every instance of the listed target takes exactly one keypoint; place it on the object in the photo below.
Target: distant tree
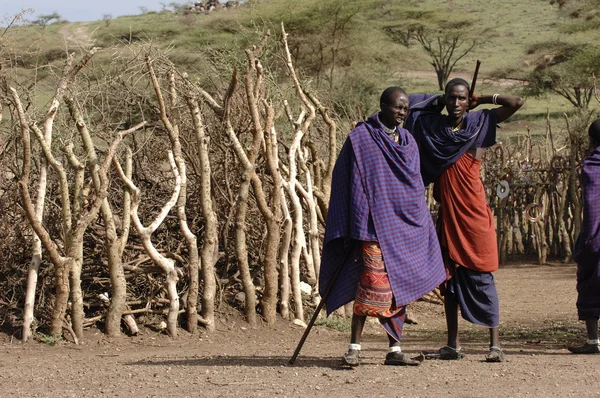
(445, 37)
(144, 10)
(107, 18)
(176, 6)
(321, 35)
(43, 20)
(565, 69)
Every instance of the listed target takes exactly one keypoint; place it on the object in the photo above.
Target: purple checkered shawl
(587, 247)
(377, 195)
(439, 146)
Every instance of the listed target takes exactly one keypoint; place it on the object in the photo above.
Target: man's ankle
(593, 341)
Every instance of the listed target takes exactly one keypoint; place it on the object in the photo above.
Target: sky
(79, 10)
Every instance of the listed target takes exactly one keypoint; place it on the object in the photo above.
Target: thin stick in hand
(474, 82)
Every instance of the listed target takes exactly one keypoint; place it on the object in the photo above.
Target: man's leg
(451, 309)
(393, 342)
(496, 354)
(396, 357)
(351, 357)
(591, 324)
(495, 337)
(358, 323)
(452, 350)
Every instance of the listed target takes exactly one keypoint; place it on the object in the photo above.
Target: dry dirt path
(538, 319)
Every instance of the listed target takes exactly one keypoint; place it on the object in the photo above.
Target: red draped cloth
(468, 232)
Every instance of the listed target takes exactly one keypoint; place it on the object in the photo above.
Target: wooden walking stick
(474, 81)
(336, 274)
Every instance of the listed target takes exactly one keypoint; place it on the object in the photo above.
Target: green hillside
(366, 58)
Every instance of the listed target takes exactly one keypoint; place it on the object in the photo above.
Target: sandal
(495, 355)
(351, 358)
(400, 359)
(586, 348)
(446, 353)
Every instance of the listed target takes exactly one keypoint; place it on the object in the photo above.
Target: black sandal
(586, 348)
(446, 353)
(400, 359)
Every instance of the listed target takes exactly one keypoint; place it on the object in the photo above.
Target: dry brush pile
(135, 191)
(138, 193)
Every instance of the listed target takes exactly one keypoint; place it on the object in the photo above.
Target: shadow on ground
(242, 360)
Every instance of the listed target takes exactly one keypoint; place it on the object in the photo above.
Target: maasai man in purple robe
(587, 247)
(451, 147)
(379, 228)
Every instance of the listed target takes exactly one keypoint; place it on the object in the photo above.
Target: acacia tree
(565, 69)
(44, 20)
(322, 35)
(566, 66)
(445, 37)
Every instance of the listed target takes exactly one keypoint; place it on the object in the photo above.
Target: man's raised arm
(509, 104)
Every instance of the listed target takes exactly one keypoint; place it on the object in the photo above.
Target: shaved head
(388, 94)
(457, 81)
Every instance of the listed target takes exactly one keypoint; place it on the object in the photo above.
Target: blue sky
(79, 10)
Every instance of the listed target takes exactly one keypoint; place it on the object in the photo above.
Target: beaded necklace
(391, 132)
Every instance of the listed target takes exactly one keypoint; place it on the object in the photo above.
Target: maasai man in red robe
(587, 247)
(379, 229)
(451, 147)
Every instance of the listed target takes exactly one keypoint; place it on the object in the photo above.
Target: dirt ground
(538, 320)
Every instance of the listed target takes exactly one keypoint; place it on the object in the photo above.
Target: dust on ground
(538, 319)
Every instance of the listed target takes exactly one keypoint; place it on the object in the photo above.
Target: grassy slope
(518, 23)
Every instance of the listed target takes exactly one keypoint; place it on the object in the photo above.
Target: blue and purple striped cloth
(440, 147)
(377, 194)
(587, 248)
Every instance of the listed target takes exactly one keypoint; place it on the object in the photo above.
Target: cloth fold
(468, 231)
(439, 145)
(587, 247)
(476, 295)
(378, 195)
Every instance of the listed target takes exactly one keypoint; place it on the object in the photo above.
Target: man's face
(394, 113)
(457, 102)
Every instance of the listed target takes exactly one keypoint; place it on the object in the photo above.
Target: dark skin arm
(509, 104)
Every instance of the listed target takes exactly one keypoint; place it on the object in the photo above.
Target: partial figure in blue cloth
(587, 248)
(379, 228)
